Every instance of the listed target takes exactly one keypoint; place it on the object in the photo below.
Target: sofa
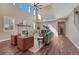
(47, 37)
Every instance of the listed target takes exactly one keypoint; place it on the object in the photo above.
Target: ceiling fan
(36, 5)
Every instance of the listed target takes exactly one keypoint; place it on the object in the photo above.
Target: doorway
(61, 28)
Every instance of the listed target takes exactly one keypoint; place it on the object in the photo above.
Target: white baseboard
(4, 39)
(73, 42)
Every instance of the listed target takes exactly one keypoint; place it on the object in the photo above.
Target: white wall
(13, 11)
(53, 23)
(54, 27)
(71, 31)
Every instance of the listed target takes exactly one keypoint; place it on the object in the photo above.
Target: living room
(37, 28)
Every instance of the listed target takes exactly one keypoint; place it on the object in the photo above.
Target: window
(9, 24)
(27, 8)
(33, 12)
(24, 7)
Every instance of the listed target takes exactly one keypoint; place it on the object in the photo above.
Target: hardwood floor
(59, 46)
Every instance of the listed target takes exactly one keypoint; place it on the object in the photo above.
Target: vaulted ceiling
(56, 10)
(52, 11)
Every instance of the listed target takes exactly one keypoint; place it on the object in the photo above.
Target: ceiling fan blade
(40, 8)
(34, 3)
(40, 5)
(37, 3)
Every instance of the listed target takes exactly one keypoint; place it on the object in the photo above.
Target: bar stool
(40, 40)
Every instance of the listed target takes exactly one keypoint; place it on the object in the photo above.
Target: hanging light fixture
(36, 7)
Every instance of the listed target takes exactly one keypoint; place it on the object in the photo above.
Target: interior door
(61, 28)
